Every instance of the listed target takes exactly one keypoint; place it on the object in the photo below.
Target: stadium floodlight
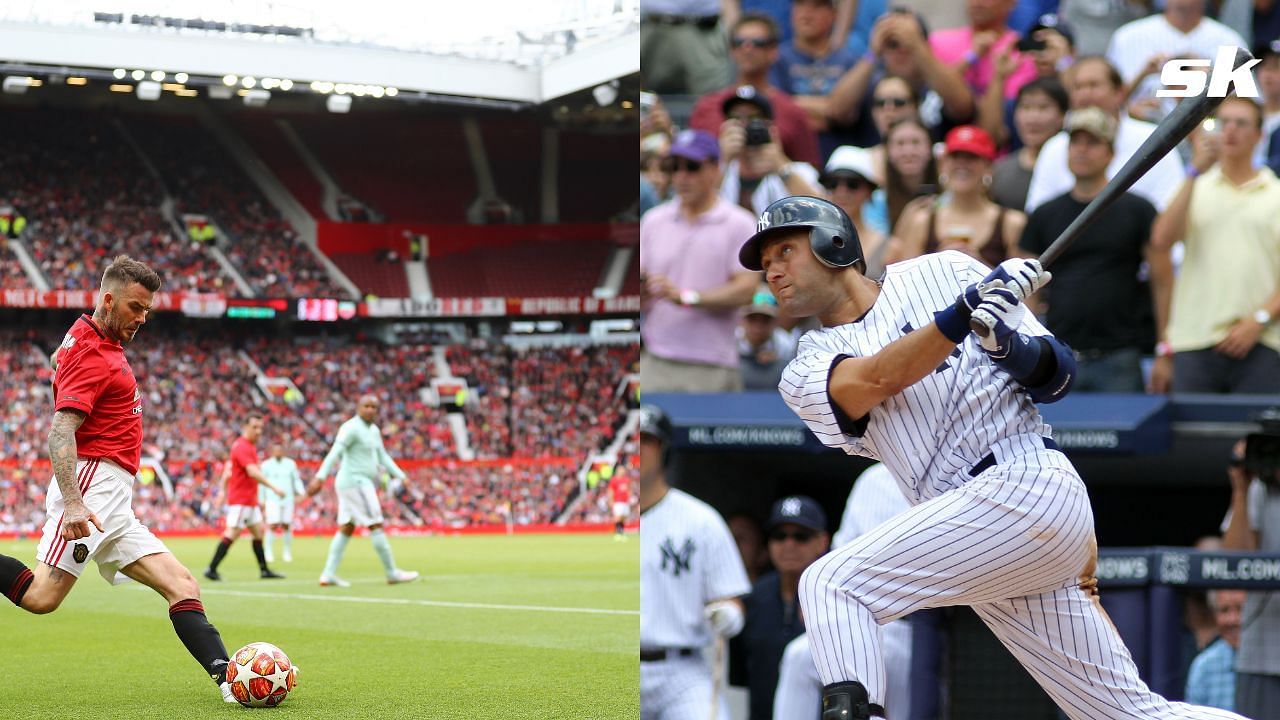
(139, 74)
(286, 84)
(269, 83)
(17, 84)
(377, 91)
(229, 80)
(119, 73)
(157, 75)
(338, 103)
(181, 77)
(392, 92)
(256, 98)
(248, 81)
(148, 90)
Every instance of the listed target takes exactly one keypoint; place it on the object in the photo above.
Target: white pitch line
(427, 603)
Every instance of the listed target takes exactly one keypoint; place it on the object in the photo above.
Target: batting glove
(1021, 275)
(725, 617)
(1001, 313)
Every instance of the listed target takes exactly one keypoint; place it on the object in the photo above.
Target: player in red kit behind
(95, 447)
(620, 492)
(240, 481)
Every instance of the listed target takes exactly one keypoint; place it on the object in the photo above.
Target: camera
(1029, 44)
(757, 132)
(1262, 449)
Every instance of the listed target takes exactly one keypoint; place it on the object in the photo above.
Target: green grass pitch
(500, 627)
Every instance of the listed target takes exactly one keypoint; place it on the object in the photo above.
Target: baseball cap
(850, 160)
(1092, 120)
(696, 145)
(748, 94)
(970, 139)
(797, 510)
(762, 303)
(1050, 21)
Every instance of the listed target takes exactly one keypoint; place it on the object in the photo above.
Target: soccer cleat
(226, 694)
(334, 581)
(402, 576)
(268, 575)
(212, 574)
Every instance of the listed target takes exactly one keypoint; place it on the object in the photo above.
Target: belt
(990, 459)
(705, 22)
(657, 655)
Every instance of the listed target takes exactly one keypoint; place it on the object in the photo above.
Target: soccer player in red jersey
(620, 490)
(95, 447)
(240, 484)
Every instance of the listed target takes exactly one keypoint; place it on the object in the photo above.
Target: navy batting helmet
(831, 233)
(654, 422)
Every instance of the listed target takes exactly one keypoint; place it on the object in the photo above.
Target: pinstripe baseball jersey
(874, 499)
(687, 559)
(930, 434)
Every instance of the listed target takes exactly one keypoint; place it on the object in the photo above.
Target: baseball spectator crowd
(988, 138)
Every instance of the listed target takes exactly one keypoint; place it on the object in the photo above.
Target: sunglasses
(760, 43)
(852, 183)
(673, 165)
(800, 536)
(896, 102)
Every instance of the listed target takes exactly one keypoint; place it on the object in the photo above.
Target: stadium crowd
(987, 138)
(205, 180)
(197, 386)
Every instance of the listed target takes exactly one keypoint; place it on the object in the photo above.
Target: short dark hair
(124, 270)
(1052, 88)
(1257, 109)
(250, 418)
(775, 33)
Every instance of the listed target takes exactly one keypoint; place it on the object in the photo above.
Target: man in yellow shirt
(1221, 335)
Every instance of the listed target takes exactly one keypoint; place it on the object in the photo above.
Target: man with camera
(1254, 524)
(753, 47)
(756, 170)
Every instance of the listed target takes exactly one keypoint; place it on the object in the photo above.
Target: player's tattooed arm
(62, 451)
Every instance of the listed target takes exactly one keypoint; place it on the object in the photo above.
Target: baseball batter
(691, 576)
(1001, 520)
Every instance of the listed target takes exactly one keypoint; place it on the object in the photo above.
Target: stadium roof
(501, 49)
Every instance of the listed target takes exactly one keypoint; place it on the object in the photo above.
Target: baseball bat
(717, 677)
(1176, 126)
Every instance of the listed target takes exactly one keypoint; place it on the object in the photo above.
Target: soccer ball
(261, 675)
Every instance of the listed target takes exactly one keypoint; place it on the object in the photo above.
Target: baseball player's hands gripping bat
(1176, 126)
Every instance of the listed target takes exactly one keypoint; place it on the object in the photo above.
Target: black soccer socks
(201, 638)
(258, 553)
(220, 553)
(15, 578)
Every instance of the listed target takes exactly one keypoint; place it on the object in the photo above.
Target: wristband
(689, 298)
(970, 57)
(870, 56)
(1164, 349)
(953, 322)
(1193, 172)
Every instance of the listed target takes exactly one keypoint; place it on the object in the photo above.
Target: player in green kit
(359, 448)
(283, 473)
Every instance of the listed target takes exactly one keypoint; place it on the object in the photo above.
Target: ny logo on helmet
(764, 222)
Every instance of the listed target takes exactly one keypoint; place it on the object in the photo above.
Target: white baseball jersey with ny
(1000, 521)
(687, 559)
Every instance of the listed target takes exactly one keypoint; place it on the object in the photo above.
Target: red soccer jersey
(620, 488)
(242, 489)
(94, 377)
